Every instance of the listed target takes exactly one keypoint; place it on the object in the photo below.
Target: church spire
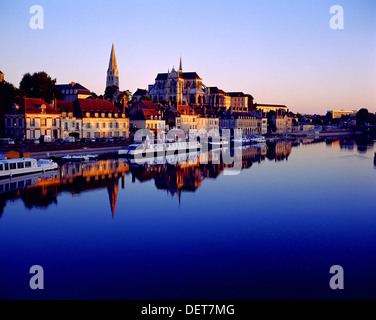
(113, 64)
(112, 72)
(181, 65)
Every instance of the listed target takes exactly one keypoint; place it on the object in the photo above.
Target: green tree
(40, 85)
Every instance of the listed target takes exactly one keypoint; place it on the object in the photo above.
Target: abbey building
(178, 87)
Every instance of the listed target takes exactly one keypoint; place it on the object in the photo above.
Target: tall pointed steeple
(113, 64)
(181, 65)
(112, 72)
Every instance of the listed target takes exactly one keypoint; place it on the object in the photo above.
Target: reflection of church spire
(112, 194)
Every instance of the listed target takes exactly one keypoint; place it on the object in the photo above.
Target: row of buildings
(96, 118)
(177, 100)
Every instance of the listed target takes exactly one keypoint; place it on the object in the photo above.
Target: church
(178, 87)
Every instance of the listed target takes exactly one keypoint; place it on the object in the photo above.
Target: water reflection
(41, 191)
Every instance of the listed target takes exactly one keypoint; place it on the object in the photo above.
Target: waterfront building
(178, 87)
(336, 114)
(239, 102)
(70, 124)
(88, 118)
(101, 119)
(282, 122)
(1, 77)
(217, 98)
(74, 91)
(112, 72)
(31, 119)
(149, 119)
(238, 121)
(187, 120)
(266, 108)
(261, 125)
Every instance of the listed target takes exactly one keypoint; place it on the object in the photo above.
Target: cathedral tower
(112, 72)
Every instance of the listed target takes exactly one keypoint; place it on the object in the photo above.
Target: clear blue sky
(281, 52)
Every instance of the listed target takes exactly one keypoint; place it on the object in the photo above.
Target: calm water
(108, 230)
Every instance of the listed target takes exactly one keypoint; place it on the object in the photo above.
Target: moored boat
(258, 139)
(18, 167)
(160, 149)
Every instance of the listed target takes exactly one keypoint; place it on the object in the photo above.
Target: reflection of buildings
(279, 151)
(186, 176)
(74, 178)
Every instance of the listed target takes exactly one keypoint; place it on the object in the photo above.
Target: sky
(281, 52)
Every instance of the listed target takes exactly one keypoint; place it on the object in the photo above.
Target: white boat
(243, 141)
(167, 159)
(159, 150)
(19, 167)
(258, 139)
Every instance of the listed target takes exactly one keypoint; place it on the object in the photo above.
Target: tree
(363, 117)
(8, 96)
(110, 91)
(40, 85)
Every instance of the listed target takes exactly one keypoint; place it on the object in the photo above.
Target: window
(6, 166)
(20, 122)
(28, 164)
(77, 126)
(97, 125)
(73, 124)
(66, 126)
(8, 122)
(103, 125)
(111, 125)
(12, 166)
(43, 122)
(1, 167)
(20, 165)
(88, 135)
(88, 125)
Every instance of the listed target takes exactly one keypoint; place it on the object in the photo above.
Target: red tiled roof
(65, 106)
(185, 110)
(148, 104)
(90, 105)
(145, 114)
(32, 106)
